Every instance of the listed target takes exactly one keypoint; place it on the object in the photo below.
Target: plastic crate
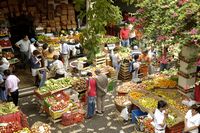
(57, 114)
(73, 94)
(137, 113)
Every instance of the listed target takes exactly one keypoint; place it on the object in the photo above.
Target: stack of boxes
(52, 15)
(187, 73)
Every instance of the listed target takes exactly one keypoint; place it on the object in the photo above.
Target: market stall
(146, 95)
(57, 97)
(11, 118)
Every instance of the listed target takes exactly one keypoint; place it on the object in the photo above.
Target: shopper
(132, 35)
(135, 69)
(44, 53)
(135, 51)
(11, 85)
(124, 36)
(65, 53)
(3, 95)
(24, 45)
(91, 95)
(116, 63)
(102, 84)
(160, 116)
(164, 59)
(4, 64)
(153, 56)
(192, 120)
(57, 67)
(36, 63)
(50, 54)
(33, 46)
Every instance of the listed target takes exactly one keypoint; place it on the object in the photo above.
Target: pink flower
(193, 31)
(189, 11)
(161, 38)
(174, 31)
(141, 10)
(174, 15)
(181, 2)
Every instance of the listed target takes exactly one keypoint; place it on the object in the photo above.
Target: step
(26, 91)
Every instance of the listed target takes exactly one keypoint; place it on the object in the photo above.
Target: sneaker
(97, 112)
(88, 117)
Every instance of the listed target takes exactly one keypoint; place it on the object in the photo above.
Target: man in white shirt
(160, 117)
(4, 64)
(192, 120)
(11, 85)
(24, 45)
(32, 47)
(58, 67)
(65, 52)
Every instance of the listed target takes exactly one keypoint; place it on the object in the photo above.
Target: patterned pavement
(109, 122)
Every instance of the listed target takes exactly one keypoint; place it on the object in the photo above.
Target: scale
(111, 47)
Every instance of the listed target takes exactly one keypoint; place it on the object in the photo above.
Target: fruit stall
(61, 96)
(54, 41)
(145, 96)
(11, 118)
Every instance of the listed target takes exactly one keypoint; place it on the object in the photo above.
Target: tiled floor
(109, 122)
(26, 79)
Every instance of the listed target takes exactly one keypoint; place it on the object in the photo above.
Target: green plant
(99, 15)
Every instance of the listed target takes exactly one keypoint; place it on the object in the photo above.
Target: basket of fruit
(57, 110)
(121, 102)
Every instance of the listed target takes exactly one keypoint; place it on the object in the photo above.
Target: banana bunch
(8, 108)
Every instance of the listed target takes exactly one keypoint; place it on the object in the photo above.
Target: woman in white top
(160, 116)
(192, 120)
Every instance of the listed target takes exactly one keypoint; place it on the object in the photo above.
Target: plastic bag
(124, 113)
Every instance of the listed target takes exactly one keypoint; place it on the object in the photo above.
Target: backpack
(131, 67)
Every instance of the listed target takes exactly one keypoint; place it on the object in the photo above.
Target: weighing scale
(111, 47)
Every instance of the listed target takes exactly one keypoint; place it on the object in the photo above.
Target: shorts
(34, 72)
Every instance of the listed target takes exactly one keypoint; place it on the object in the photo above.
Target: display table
(176, 110)
(11, 118)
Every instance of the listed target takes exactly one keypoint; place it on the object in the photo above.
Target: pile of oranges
(136, 95)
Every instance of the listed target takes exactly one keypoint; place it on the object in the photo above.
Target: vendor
(57, 67)
(145, 62)
(50, 54)
(192, 120)
(160, 116)
(4, 64)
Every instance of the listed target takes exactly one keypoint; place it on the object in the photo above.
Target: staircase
(26, 91)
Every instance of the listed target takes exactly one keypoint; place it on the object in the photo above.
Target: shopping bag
(124, 113)
(111, 86)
